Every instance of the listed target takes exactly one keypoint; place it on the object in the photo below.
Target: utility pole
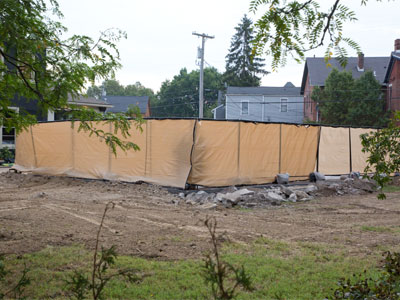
(201, 88)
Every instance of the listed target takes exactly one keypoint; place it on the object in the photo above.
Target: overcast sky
(160, 40)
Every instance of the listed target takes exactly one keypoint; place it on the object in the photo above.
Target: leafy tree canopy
(295, 27)
(348, 101)
(114, 88)
(242, 67)
(179, 97)
(39, 64)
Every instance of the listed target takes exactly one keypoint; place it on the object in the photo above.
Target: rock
(316, 176)
(364, 184)
(190, 202)
(349, 180)
(301, 195)
(208, 206)
(286, 191)
(200, 193)
(311, 189)
(343, 177)
(282, 178)
(219, 197)
(293, 197)
(234, 197)
(181, 195)
(355, 175)
(272, 196)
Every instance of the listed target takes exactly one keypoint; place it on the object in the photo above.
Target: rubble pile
(276, 195)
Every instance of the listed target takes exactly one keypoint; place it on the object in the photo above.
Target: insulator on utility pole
(200, 52)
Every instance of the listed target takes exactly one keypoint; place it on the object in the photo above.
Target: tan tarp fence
(209, 153)
(299, 150)
(229, 153)
(334, 151)
(358, 158)
(58, 149)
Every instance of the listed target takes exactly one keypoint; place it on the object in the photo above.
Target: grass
(381, 229)
(278, 269)
(391, 189)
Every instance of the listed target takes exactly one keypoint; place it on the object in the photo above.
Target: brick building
(316, 72)
(392, 78)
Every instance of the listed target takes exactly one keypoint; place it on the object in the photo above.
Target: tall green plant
(243, 68)
(383, 148)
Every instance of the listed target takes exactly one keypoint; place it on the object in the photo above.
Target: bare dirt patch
(39, 211)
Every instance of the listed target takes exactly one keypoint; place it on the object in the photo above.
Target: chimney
(397, 45)
(360, 65)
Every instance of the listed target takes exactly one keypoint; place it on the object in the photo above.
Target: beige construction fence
(201, 152)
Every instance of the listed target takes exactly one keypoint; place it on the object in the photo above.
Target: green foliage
(6, 154)
(180, 96)
(223, 277)
(242, 67)
(295, 27)
(16, 290)
(80, 285)
(114, 88)
(385, 286)
(383, 148)
(348, 101)
(38, 64)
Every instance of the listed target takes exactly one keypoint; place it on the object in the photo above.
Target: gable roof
(316, 69)
(121, 103)
(287, 90)
(89, 101)
(395, 56)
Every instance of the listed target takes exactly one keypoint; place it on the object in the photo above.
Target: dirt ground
(38, 211)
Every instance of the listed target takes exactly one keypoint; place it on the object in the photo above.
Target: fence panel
(259, 153)
(298, 150)
(334, 151)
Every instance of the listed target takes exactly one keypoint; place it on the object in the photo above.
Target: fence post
(238, 155)
(33, 145)
(319, 139)
(351, 159)
(280, 148)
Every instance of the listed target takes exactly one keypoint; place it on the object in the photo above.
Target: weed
(79, 284)
(223, 277)
(15, 291)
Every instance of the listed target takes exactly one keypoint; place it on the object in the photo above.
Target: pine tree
(242, 67)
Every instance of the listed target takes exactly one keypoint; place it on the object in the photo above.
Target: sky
(160, 42)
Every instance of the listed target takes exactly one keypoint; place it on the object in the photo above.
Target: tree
(179, 97)
(241, 67)
(114, 88)
(38, 64)
(345, 101)
(295, 27)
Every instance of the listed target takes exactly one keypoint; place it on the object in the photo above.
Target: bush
(385, 286)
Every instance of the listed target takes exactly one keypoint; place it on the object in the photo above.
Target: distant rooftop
(89, 101)
(317, 70)
(288, 89)
(121, 103)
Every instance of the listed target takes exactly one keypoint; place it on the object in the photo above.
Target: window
(245, 107)
(284, 105)
(8, 136)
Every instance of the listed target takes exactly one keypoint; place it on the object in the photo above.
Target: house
(122, 103)
(265, 104)
(89, 102)
(316, 72)
(392, 78)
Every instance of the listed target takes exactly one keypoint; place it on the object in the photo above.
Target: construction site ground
(40, 211)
